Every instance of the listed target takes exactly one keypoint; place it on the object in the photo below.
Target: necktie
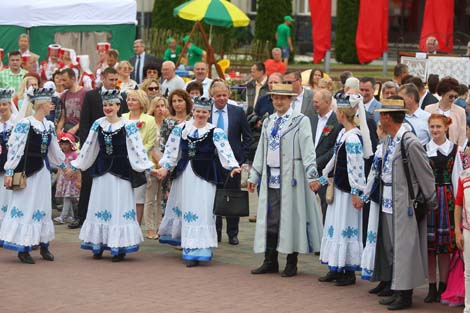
(220, 120)
(137, 70)
(275, 129)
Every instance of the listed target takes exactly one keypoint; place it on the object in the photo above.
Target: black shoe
(98, 256)
(330, 277)
(387, 292)
(291, 266)
(349, 278)
(440, 291)
(403, 301)
(270, 263)
(25, 257)
(432, 294)
(192, 263)
(233, 240)
(389, 300)
(46, 254)
(118, 258)
(381, 286)
(75, 224)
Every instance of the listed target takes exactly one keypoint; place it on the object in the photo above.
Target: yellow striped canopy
(212, 12)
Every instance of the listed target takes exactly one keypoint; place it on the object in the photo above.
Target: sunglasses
(452, 96)
(153, 88)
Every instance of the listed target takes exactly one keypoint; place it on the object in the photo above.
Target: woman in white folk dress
(116, 157)
(342, 246)
(6, 126)
(32, 148)
(191, 150)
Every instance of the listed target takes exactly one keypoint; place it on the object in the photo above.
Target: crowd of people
(370, 176)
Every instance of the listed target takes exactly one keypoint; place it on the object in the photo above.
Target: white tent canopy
(31, 13)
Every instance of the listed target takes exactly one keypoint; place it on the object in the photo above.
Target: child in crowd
(67, 188)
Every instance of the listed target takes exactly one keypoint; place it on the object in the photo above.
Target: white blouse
(137, 154)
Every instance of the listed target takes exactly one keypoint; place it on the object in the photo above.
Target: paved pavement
(156, 280)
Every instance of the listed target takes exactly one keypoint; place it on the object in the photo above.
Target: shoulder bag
(231, 202)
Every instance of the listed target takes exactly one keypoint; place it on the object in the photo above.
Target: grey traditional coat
(300, 227)
(410, 266)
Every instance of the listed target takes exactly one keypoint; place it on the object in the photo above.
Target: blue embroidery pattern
(129, 215)
(177, 211)
(387, 203)
(275, 180)
(38, 215)
(131, 129)
(350, 232)
(104, 215)
(372, 237)
(219, 135)
(190, 217)
(176, 131)
(95, 126)
(331, 231)
(4, 209)
(16, 213)
(353, 147)
(22, 128)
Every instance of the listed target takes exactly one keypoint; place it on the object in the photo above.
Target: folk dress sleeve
(54, 153)
(90, 149)
(16, 145)
(138, 156)
(355, 161)
(171, 154)
(226, 157)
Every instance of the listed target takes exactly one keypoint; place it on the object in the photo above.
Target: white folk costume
(342, 245)
(5, 131)
(87, 79)
(102, 47)
(47, 68)
(116, 157)
(189, 221)
(28, 221)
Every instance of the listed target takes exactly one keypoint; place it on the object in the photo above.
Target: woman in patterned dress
(32, 148)
(446, 163)
(342, 246)
(116, 157)
(189, 221)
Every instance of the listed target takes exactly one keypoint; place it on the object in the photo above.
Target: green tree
(346, 23)
(162, 16)
(269, 15)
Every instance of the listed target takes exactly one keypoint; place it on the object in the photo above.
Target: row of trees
(270, 14)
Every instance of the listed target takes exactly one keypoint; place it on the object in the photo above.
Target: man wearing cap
(195, 54)
(200, 75)
(285, 165)
(92, 109)
(172, 53)
(401, 255)
(140, 59)
(12, 77)
(283, 38)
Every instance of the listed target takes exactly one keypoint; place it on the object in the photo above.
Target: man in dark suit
(257, 86)
(303, 101)
(92, 109)
(232, 120)
(325, 129)
(425, 97)
(367, 90)
(140, 59)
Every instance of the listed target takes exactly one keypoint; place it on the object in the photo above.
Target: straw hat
(282, 89)
(392, 105)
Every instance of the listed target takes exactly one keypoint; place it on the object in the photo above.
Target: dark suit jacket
(92, 109)
(251, 93)
(264, 105)
(428, 99)
(239, 133)
(325, 148)
(148, 58)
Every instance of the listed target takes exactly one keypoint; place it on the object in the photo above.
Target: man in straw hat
(401, 256)
(285, 179)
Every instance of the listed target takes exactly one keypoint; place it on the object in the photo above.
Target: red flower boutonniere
(140, 124)
(327, 130)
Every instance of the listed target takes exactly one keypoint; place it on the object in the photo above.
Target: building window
(252, 6)
(302, 7)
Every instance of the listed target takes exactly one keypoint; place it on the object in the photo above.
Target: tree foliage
(346, 24)
(269, 15)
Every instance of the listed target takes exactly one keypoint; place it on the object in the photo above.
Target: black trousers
(232, 222)
(84, 196)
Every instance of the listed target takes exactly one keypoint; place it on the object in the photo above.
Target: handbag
(231, 202)
(19, 179)
(330, 189)
(419, 203)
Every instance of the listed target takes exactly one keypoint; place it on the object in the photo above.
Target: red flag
(438, 21)
(372, 30)
(321, 28)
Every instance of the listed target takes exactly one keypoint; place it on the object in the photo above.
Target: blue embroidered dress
(341, 246)
(5, 194)
(113, 151)
(189, 221)
(27, 221)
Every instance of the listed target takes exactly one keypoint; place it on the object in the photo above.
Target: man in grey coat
(289, 215)
(401, 255)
